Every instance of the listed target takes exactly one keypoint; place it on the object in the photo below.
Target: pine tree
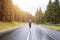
(52, 12)
(6, 11)
(56, 9)
(48, 13)
(38, 16)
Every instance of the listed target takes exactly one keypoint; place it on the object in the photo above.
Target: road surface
(25, 33)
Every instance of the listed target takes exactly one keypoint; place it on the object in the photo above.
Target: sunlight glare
(31, 5)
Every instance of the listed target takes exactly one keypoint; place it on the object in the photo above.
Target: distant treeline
(51, 15)
(10, 12)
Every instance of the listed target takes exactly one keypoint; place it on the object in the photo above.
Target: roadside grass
(57, 28)
(10, 25)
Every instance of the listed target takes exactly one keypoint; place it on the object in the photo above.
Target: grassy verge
(9, 25)
(57, 28)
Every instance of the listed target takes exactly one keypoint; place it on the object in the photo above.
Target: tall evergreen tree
(56, 9)
(48, 13)
(52, 12)
(6, 12)
(38, 16)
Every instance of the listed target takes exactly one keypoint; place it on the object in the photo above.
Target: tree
(6, 11)
(56, 9)
(52, 12)
(39, 17)
(10, 12)
(20, 15)
(48, 12)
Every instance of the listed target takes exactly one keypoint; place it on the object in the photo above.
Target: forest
(11, 13)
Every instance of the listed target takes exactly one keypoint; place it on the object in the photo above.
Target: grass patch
(9, 25)
(57, 28)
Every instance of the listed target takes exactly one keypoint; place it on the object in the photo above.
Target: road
(25, 33)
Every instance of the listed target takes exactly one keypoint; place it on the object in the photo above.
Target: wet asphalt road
(25, 33)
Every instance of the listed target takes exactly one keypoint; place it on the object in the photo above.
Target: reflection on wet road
(36, 34)
(25, 33)
(43, 36)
